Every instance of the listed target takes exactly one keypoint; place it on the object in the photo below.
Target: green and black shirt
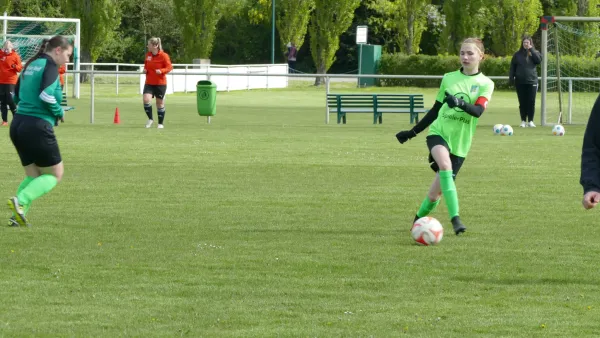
(38, 92)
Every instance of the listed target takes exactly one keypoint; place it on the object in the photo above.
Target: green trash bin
(206, 98)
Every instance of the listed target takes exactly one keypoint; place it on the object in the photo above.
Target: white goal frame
(76, 46)
(544, 22)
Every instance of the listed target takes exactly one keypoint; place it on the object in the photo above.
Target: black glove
(405, 135)
(511, 82)
(453, 101)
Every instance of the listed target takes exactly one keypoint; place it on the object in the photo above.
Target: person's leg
(522, 104)
(147, 98)
(531, 93)
(160, 110)
(10, 100)
(441, 156)
(4, 103)
(431, 201)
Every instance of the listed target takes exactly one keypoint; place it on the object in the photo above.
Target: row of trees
(239, 31)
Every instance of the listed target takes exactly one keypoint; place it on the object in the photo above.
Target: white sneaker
(523, 124)
(531, 124)
(149, 123)
(160, 126)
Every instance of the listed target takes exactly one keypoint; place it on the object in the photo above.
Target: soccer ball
(498, 129)
(506, 130)
(558, 130)
(427, 231)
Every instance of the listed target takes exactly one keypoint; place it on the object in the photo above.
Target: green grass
(268, 222)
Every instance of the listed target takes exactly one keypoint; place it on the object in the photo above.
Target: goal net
(570, 69)
(27, 35)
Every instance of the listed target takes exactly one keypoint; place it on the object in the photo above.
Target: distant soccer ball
(558, 130)
(506, 130)
(498, 129)
(427, 231)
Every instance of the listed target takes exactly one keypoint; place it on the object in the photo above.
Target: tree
(329, 20)
(464, 18)
(199, 20)
(292, 20)
(408, 19)
(99, 21)
(510, 20)
(32, 8)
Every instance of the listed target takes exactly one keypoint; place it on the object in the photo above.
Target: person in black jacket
(590, 159)
(523, 75)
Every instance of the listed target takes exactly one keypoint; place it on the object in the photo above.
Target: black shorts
(457, 161)
(158, 91)
(6, 88)
(34, 140)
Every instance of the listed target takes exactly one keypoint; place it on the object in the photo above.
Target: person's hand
(144, 70)
(590, 199)
(453, 101)
(511, 82)
(158, 72)
(405, 135)
(13, 66)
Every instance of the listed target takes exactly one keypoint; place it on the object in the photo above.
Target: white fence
(184, 77)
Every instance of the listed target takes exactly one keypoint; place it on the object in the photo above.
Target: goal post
(570, 68)
(27, 33)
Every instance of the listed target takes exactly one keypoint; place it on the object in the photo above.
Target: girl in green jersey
(462, 98)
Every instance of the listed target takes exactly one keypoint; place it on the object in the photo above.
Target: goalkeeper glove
(453, 101)
(405, 135)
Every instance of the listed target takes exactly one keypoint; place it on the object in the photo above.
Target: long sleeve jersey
(38, 92)
(523, 67)
(10, 66)
(159, 61)
(590, 154)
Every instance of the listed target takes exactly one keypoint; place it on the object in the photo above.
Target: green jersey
(38, 92)
(454, 125)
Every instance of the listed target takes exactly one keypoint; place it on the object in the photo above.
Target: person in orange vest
(156, 66)
(10, 66)
(61, 74)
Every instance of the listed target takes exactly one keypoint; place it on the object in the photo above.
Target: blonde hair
(478, 43)
(155, 42)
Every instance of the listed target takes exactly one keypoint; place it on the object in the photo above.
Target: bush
(399, 64)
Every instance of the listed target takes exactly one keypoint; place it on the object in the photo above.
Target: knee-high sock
(148, 110)
(37, 188)
(23, 185)
(161, 114)
(449, 192)
(427, 207)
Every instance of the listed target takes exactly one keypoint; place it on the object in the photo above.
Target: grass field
(268, 222)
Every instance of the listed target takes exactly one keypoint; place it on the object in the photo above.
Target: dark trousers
(526, 94)
(6, 100)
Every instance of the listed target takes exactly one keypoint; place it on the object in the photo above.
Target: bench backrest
(383, 100)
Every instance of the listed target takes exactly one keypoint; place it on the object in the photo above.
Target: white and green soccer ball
(498, 129)
(558, 130)
(506, 130)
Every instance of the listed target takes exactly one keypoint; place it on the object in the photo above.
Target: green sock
(22, 186)
(449, 192)
(427, 207)
(37, 188)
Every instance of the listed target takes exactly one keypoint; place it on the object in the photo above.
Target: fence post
(569, 121)
(117, 79)
(327, 99)
(185, 78)
(92, 96)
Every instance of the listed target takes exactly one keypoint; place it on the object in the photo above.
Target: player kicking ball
(461, 100)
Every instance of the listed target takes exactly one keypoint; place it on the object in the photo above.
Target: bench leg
(344, 118)
(380, 118)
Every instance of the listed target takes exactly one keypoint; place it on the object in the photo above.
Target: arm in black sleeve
(474, 110)
(536, 57)
(590, 154)
(428, 119)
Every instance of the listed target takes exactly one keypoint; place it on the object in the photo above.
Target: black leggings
(526, 94)
(6, 100)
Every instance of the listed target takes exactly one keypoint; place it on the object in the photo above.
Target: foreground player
(590, 159)
(462, 98)
(38, 95)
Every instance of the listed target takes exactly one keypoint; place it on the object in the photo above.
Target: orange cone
(117, 119)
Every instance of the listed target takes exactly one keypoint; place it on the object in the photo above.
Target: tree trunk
(320, 70)
(85, 58)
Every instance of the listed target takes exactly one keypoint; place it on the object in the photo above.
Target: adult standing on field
(590, 159)
(523, 75)
(10, 66)
(462, 98)
(38, 95)
(156, 67)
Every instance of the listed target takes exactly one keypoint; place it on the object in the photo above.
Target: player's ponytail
(39, 53)
(159, 44)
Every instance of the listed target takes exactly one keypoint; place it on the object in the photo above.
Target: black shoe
(12, 222)
(458, 226)
(416, 218)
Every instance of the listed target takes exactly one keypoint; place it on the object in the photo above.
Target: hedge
(400, 64)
